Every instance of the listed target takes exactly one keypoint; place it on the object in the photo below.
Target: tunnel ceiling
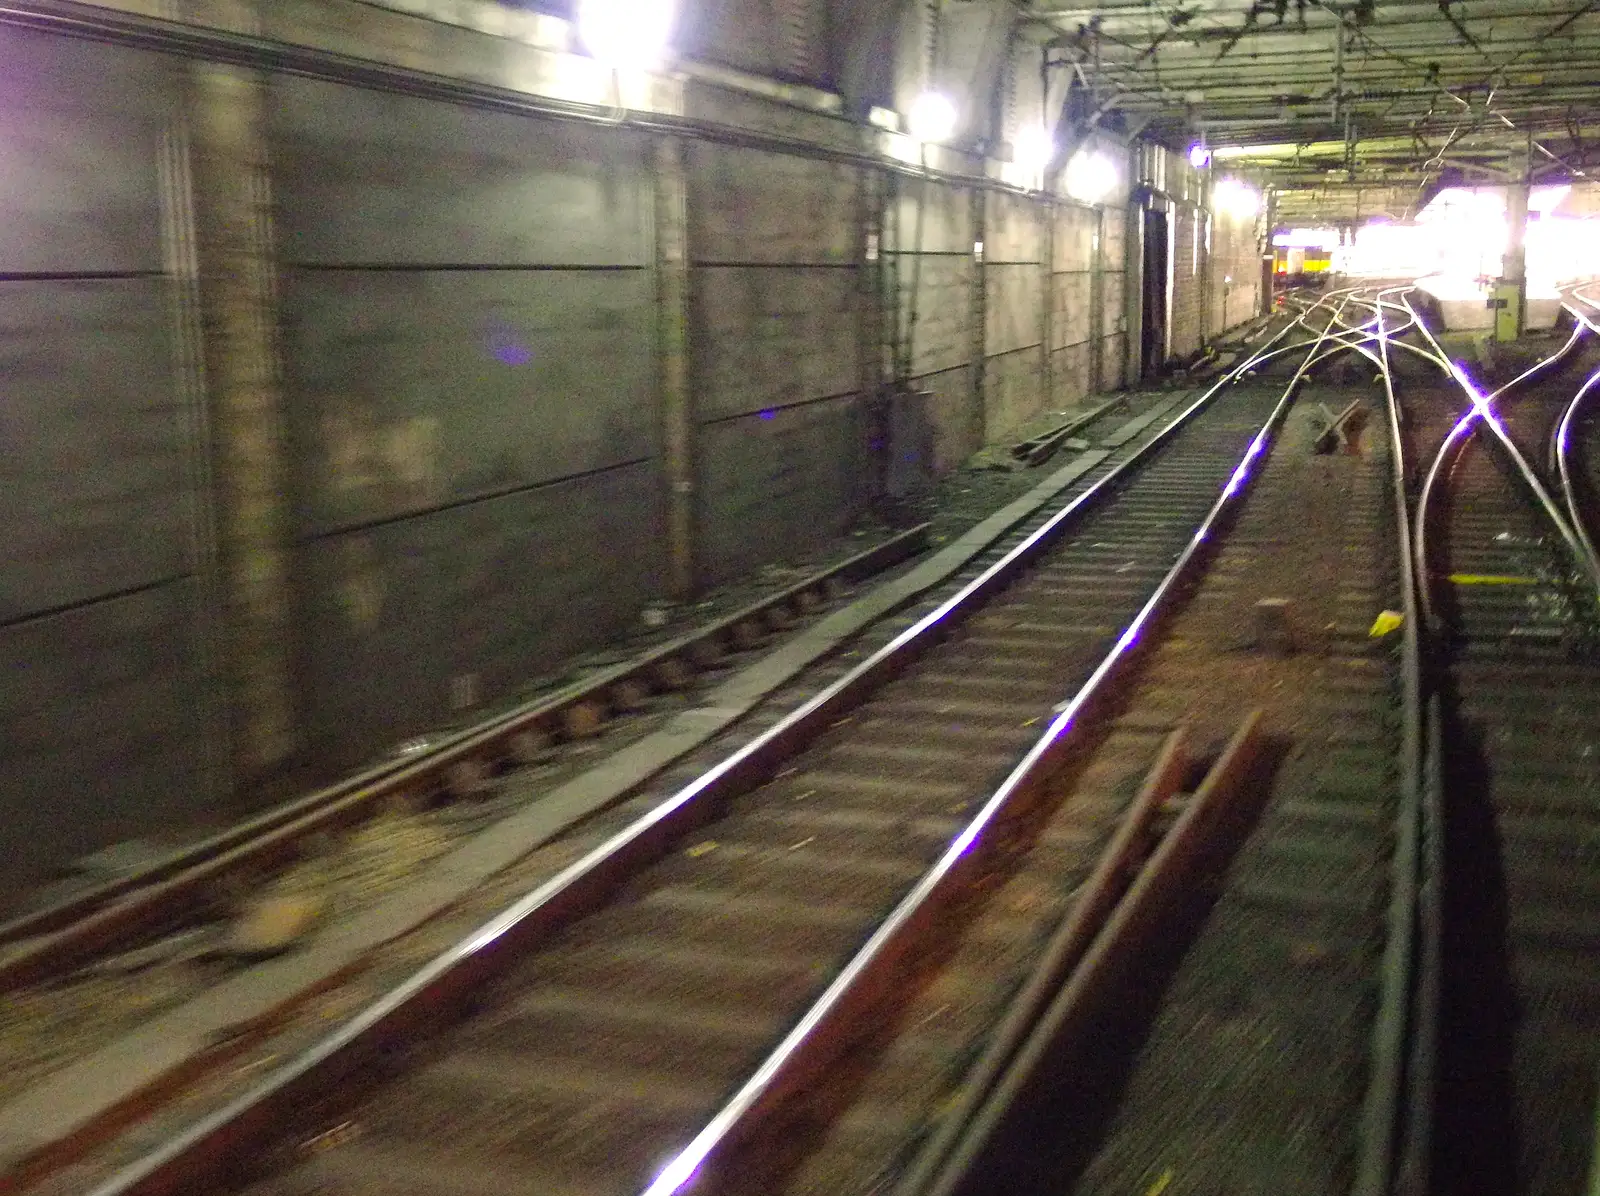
(1392, 97)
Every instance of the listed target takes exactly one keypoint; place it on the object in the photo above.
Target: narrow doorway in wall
(1153, 334)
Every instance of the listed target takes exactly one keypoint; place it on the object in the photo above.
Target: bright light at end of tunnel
(1090, 177)
(932, 117)
(630, 34)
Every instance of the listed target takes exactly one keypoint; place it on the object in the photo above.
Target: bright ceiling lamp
(1090, 176)
(628, 34)
(1236, 199)
(1033, 148)
(932, 117)
(1199, 156)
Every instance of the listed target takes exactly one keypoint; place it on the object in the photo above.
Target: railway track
(482, 767)
(1243, 1051)
(1516, 665)
(36, 1146)
(612, 1007)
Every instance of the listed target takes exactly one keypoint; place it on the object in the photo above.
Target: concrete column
(1047, 313)
(1133, 291)
(228, 148)
(672, 347)
(1512, 294)
(1097, 302)
(873, 347)
(980, 316)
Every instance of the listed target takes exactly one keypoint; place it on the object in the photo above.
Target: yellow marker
(700, 849)
(1161, 1184)
(1387, 621)
(1490, 579)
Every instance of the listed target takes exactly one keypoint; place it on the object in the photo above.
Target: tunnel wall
(775, 301)
(928, 236)
(1113, 259)
(1235, 271)
(1188, 281)
(336, 413)
(103, 604)
(1072, 291)
(1015, 231)
(468, 340)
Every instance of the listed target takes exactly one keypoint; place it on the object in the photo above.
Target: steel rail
(823, 1031)
(1482, 409)
(944, 1162)
(61, 936)
(1405, 992)
(1561, 440)
(195, 1155)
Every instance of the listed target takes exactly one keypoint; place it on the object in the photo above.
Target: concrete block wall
(1015, 239)
(929, 232)
(104, 634)
(775, 301)
(1188, 281)
(1235, 271)
(469, 347)
(1113, 258)
(1072, 285)
(336, 412)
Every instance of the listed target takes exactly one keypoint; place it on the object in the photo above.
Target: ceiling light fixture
(932, 117)
(1033, 149)
(626, 34)
(1090, 176)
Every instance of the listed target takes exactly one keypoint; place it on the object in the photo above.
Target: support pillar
(1511, 295)
(672, 349)
(1047, 320)
(236, 290)
(980, 317)
(1097, 303)
(875, 370)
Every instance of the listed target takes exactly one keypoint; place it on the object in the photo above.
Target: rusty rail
(54, 939)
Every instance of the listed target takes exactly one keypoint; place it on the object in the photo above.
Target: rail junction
(1139, 822)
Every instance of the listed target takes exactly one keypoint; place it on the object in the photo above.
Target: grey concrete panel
(372, 671)
(771, 336)
(1188, 300)
(945, 222)
(957, 426)
(1013, 307)
(767, 37)
(373, 177)
(80, 137)
(92, 443)
(748, 205)
(1114, 316)
(101, 717)
(1013, 386)
(474, 601)
(1113, 362)
(531, 579)
(410, 390)
(703, 100)
(1013, 229)
(1114, 239)
(942, 335)
(1069, 375)
(1070, 319)
(1074, 239)
(778, 485)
